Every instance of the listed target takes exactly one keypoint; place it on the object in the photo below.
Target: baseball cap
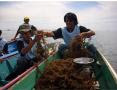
(24, 30)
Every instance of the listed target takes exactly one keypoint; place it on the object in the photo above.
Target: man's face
(26, 20)
(70, 24)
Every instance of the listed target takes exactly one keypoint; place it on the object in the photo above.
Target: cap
(25, 18)
(24, 30)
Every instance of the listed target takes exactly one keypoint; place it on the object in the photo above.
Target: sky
(50, 14)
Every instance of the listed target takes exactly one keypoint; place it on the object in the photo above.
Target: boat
(105, 74)
(9, 61)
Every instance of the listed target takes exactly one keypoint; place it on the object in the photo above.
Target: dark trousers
(62, 48)
(21, 66)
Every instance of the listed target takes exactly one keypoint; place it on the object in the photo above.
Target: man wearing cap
(27, 48)
(25, 25)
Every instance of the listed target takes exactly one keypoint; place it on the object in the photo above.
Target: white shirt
(67, 36)
(2, 43)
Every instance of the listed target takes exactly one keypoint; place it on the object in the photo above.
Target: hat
(24, 30)
(25, 18)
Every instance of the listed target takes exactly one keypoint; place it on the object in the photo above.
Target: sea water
(104, 40)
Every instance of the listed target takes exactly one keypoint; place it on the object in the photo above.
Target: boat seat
(12, 47)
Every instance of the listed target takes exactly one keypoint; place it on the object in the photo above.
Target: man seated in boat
(3, 45)
(25, 25)
(71, 30)
(28, 51)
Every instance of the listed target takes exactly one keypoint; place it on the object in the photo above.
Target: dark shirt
(58, 32)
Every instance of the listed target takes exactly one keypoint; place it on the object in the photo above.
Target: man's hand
(87, 34)
(83, 35)
(13, 39)
(48, 34)
(38, 37)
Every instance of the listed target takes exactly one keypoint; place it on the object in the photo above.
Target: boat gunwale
(9, 55)
(17, 78)
(112, 71)
(24, 74)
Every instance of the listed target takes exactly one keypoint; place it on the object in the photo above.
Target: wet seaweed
(64, 74)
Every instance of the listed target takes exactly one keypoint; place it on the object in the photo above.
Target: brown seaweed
(64, 75)
(42, 53)
(76, 49)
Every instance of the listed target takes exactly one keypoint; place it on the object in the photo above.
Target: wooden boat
(9, 62)
(105, 74)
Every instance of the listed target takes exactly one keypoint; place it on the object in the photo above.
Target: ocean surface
(107, 43)
(104, 40)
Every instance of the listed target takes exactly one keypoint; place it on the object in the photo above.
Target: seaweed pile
(76, 49)
(42, 53)
(65, 75)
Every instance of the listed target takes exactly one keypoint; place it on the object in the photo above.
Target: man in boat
(3, 45)
(71, 30)
(25, 25)
(27, 48)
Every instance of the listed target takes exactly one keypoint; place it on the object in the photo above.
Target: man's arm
(86, 33)
(33, 28)
(23, 50)
(16, 34)
(31, 43)
(28, 48)
(55, 34)
(49, 34)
